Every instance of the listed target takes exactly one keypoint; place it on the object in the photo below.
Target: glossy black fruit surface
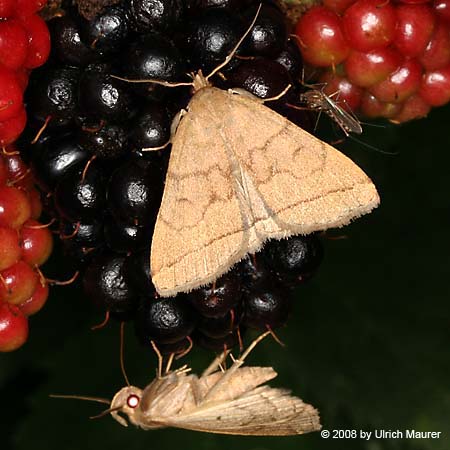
(156, 15)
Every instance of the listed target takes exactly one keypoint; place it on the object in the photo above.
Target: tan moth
(232, 401)
(240, 174)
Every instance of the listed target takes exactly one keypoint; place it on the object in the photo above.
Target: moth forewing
(256, 176)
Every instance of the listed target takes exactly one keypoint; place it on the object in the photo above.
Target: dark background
(367, 343)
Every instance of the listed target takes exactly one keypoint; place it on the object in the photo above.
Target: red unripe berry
(10, 251)
(13, 328)
(415, 27)
(23, 76)
(17, 169)
(11, 96)
(366, 69)
(437, 52)
(13, 44)
(401, 84)
(415, 107)
(413, 2)
(371, 107)
(35, 203)
(36, 301)
(7, 8)
(17, 283)
(3, 171)
(38, 41)
(349, 95)
(28, 7)
(320, 36)
(442, 8)
(10, 129)
(37, 243)
(435, 87)
(337, 6)
(369, 24)
(14, 207)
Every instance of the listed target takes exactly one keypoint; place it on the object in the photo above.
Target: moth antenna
(106, 412)
(152, 80)
(275, 337)
(169, 363)
(159, 356)
(185, 352)
(82, 397)
(235, 48)
(103, 323)
(122, 365)
(222, 369)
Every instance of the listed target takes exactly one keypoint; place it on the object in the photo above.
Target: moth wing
(263, 411)
(304, 184)
(199, 232)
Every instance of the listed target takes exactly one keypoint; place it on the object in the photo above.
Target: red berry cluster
(25, 244)
(24, 45)
(387, 58)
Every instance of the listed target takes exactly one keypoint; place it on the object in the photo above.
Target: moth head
(126, 401)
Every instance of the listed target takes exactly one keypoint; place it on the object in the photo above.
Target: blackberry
(105, 189)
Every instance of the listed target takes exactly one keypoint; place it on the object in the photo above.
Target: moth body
(235, 401)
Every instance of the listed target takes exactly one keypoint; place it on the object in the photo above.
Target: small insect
(319, 101)
(232, 401)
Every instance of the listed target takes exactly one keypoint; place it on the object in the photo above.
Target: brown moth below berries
(231, 401)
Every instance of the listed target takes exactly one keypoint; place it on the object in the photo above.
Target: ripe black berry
(220, 327)
(138, 270)
(156, 15)
(134, 192)
(266, 306)
(166, 320)
(124, 238)
(106, 283)
(101, 96)
(107, 32)
(219, 297)
(83, 234)
(221, 344)
(80, 195)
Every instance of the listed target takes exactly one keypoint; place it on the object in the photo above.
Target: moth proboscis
(232, 401)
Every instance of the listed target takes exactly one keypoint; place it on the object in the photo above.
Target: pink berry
(10, 129)
(400, 85)
(15, 207)
(38, 41)
(7, 8)
(17, 283)
(36, 301)
(320, 36)
(437, 52)
(10, 251)
(435, 87)
(36, 242)
(13, 44)
(371, 107)
(415, 107)
(337, 6)
(13, 327)
(414, 29)
(366, 69)
(442, 8)
(349, 95)
(11, 96)
(370, 24)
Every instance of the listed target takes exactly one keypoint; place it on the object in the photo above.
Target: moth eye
(133, 401)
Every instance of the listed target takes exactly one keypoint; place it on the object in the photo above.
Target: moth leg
(236, 364)
(169, 363)
(245, 93)
(216, 364)
(235, 48)
(159, 356)
(176, 121)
